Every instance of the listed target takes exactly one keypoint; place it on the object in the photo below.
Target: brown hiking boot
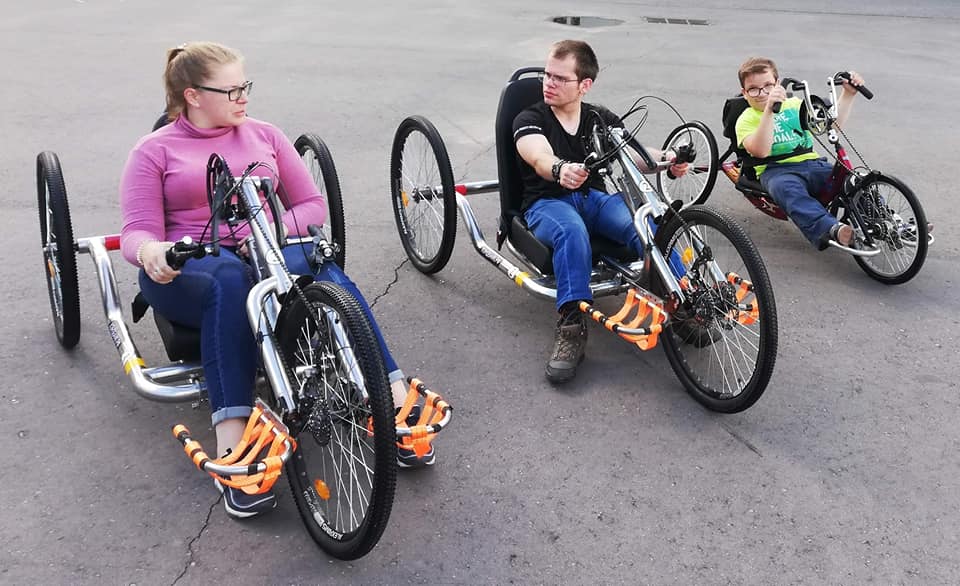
(568, 348)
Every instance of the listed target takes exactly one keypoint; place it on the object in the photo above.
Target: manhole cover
(586, 21)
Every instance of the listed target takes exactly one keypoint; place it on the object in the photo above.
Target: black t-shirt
(539, 119)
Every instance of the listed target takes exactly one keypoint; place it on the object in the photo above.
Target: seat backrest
(522, 91)
(732, 108)
(160, 123)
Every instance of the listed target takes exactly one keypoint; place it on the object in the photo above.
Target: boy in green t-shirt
(763, 133)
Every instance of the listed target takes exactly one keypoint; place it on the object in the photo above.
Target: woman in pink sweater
(163, 198)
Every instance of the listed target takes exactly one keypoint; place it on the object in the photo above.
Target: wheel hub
(318, 421)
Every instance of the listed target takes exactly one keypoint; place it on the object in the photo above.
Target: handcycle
(890, 227)
(329, 416)
(701, 286)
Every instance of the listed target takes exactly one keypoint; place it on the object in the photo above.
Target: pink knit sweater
(163, 189)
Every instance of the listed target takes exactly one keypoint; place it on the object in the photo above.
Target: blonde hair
(190, 65)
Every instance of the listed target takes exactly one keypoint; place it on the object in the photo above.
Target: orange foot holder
(435, 414)
(745, 313)
(265, 434)
(643, 329)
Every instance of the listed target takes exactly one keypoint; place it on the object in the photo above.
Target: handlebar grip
(845, 76)
(787, 83)
(174, 260)
(183, 250)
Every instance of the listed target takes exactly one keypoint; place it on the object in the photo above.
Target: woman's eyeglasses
(233, 94)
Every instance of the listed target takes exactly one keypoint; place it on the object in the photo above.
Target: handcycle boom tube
(172, 383)
(537, 286)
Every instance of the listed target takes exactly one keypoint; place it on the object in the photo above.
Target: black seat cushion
(522, 91)
(181, 342)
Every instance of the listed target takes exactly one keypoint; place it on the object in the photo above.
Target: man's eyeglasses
(547, 77)
(233, 94)
(755, 92)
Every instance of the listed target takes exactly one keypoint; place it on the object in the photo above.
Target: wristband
(557, 166)
(140, 250)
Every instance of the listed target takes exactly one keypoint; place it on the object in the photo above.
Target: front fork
(262, 304)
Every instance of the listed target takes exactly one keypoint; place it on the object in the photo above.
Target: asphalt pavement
(845, 471)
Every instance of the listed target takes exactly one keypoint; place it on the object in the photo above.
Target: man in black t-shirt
(563, 203)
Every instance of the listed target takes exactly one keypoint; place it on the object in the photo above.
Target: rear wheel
(695, 186)
(343, 472)
(722, 341)
(316, 156)
(892, 215)
(59, 249)
(424, 200)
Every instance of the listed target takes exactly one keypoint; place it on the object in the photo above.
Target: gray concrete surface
(845, 472)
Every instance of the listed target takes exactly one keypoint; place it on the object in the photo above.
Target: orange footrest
(642, 329)
(435, 414)
(748, 312)
(265, 435)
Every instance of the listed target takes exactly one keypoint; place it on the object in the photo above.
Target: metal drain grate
(585, 21)
(693, 21)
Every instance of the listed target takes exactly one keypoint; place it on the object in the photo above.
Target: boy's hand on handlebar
(777, 95)
(154, 257)
(850, 85)
(572, 175)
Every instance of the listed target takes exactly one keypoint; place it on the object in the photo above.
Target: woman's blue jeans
(210, 294)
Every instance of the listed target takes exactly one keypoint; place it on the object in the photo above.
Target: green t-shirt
(787, 132)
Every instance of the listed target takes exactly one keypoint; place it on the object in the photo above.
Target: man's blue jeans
(210, 294)
(791, 186)
(566, 223)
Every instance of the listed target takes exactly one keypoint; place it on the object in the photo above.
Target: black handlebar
(788, 84)
(323, 250)
(844, 76)
(184, 250)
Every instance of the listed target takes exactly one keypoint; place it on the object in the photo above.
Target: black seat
(732, 108)
(523, 90)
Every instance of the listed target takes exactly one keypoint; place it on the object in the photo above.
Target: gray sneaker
(568, 348)
(241, 505)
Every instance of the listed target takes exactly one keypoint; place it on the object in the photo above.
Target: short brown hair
(756, 65)
(583, 55)
(189, 65)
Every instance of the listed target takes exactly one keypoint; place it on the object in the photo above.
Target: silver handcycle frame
(609, 276)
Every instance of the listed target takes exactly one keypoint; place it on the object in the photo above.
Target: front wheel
(59, 249)
(722, 340)
(695, 186)
(316, 156)
(890, 212)
(424, 200)
(343, 472)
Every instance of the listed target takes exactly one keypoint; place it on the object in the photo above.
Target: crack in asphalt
(466, 165)
(396, 277)
(741, 439)
(206, 522)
